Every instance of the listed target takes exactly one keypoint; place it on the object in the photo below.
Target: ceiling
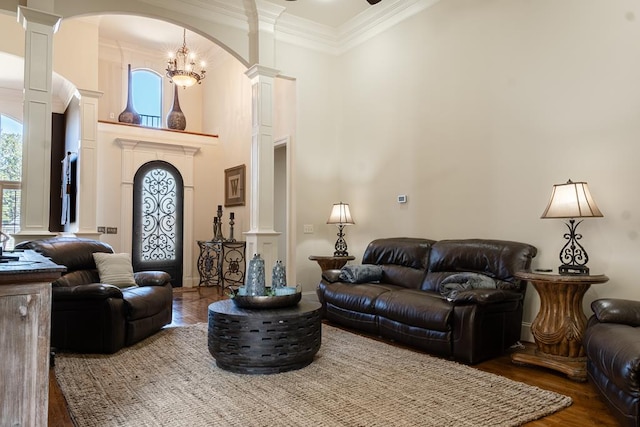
(164, 37)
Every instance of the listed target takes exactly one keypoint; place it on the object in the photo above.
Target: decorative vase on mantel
(129, 115)
(176, 118)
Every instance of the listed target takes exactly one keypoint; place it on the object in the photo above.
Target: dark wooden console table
(264, 341)
(559, 325)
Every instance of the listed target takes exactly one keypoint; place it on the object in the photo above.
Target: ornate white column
(262, 238)
(86, 225)
(36, 144)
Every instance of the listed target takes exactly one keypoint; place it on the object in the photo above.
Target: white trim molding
(142, 145)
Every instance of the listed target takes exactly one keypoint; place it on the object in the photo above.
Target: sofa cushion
(75, 278)
(404, 260)
(361, 273)
(355, 297)
(146, 301)
(115, 269)
(416, 308)
(498, 259)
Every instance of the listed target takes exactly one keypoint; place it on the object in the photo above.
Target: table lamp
(572, 200)
(341, 216)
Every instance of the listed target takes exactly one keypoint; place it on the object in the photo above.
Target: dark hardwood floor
(588, 409)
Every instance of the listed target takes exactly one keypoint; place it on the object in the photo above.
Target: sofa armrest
(331, 276)
(92, 291)
(610, 310)
(151, 278)
(483, 296)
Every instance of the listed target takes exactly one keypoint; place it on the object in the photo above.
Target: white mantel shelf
(134, 134)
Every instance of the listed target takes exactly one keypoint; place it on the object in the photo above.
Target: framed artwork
(234, 186)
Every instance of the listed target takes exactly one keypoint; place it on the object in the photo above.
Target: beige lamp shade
(340, 214)
(571, 200)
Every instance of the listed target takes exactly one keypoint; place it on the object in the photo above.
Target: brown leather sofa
(612, 346)
(406, 303)
(92, 317)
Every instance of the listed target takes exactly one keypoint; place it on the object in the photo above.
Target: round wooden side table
(331, 262)
(559, 325)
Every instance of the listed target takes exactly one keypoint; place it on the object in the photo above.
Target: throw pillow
(115, 269)
(361, 273)
(463, 281)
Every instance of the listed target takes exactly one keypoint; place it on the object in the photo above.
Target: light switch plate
(307, 229)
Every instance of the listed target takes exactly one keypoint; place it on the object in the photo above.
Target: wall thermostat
(402, 198)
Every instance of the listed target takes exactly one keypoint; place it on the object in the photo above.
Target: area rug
(171, 379)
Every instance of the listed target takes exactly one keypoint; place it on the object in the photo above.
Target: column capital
(90, 93)
(258, 70)
(27, 15)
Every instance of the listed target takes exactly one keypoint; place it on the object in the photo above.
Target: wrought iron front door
(158, 220)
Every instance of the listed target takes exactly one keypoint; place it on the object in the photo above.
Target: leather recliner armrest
(151, 278)
(331, 276)
(611, 310)
(92, 291)
(483, 296)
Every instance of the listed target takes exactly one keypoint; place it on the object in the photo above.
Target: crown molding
(230, 12)
(376, 20)
(300, 31)
(336, 41)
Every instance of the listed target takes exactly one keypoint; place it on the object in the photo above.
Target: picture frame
(234, 186)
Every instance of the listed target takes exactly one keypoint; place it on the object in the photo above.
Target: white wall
(316, 155)
(227, 113)
(475, 109)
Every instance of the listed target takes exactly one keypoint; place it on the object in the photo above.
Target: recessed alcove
(139, 145)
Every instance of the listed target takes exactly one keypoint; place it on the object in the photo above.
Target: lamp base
(567, 269)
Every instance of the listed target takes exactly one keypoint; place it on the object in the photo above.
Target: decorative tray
(278, 301)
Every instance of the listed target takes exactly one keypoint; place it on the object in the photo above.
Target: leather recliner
(93, 317)
(612, 346)
(406, 305)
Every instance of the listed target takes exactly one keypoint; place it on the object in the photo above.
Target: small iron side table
(221, 263)
(559, 325)
(331, 262)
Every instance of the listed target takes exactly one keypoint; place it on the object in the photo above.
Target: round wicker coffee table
(263, 341)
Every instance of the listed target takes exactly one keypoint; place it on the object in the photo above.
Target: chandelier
(181, 66)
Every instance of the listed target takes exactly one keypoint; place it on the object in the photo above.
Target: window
(10, 177)
(147, 96)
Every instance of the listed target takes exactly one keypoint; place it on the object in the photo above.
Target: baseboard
(525, 332)
(310, 295)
